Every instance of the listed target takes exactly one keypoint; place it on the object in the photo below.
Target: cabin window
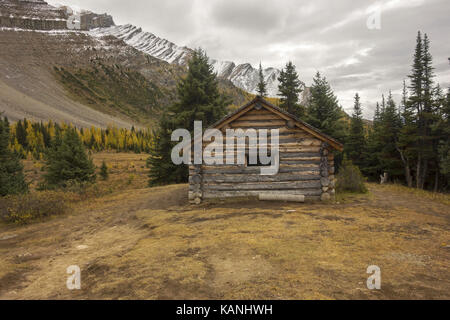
(258, 164)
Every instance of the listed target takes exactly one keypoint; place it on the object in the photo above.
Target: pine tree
(12, 179)
(442, 132)
(67, 161)
(406, 137)
(324, 111)
(444, 144)
(417, 135)
(390, 126)
(356, 142)
(289, 89)
(21, 133)
(371, 167)
(262, 86)
(104, 171)
(199, 99)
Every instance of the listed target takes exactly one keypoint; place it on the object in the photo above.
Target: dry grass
(142, 243)
(418, 193)
(126, 171)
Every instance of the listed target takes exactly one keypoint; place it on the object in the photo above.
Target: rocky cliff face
(39, 15)
(147, 42)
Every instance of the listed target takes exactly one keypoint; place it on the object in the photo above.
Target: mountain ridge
(244, 75)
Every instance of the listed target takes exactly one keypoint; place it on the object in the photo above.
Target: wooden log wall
(306, 165)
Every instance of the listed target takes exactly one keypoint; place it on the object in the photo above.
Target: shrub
(67, 161)
(104, 171)
(350, 179)
(23, 209)
(12, 179)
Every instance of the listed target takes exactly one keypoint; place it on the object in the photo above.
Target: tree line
(30, 139)
(407, 141)
(410, 140)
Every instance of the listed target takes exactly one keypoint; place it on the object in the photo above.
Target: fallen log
(281, 197)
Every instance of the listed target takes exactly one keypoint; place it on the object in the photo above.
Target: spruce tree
(324, 111)
(199, 99)
(356, 142)
(406, 137)
(444, 142)
(390, 127)
(12, 179)
(289, 89)
(262, 86)
(67, 161)
(371, 167)
(417, 135)
(104, 171)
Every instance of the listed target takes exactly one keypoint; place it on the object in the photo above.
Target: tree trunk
(409, 179)
(418, 175)
(436, 180)
(408, 176)
(424, 175)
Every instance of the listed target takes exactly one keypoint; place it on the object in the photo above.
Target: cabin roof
(283, 114)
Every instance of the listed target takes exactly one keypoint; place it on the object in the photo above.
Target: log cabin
(306, 160)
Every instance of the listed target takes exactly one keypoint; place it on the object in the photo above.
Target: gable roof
(282, 114)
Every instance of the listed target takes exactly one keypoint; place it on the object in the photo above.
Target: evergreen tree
(21, 133)
(443, 142)
(104, 171)
(444, 145)
(262, 86)
(390, 126)
(12, 180)
(67, 161)
(324, 112)
(371, 167)
(289, 89)
(356, 141)
(417, 135)
(199, 99)
(406, 137)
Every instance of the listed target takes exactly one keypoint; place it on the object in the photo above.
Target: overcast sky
(330, 36)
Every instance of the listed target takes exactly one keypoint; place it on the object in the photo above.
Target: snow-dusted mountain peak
(244, 76)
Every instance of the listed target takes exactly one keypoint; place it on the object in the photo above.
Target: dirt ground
(149, 243)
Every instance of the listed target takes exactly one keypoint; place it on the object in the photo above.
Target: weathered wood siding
(306, 165)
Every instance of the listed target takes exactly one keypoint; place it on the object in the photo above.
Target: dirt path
(39, 254)
(148, 243)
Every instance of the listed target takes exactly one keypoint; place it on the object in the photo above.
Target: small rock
(24, 255)
(82, 247)
(325, 197)
(291, 211)
(8, 236)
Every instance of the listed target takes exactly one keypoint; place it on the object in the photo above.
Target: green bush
(350, 178)
(104, 171)
(23, 209)
(67, 161)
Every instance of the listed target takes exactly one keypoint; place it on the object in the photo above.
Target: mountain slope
(243, 76)
(83, 77)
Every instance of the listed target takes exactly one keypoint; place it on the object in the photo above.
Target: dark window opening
(258, 161)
